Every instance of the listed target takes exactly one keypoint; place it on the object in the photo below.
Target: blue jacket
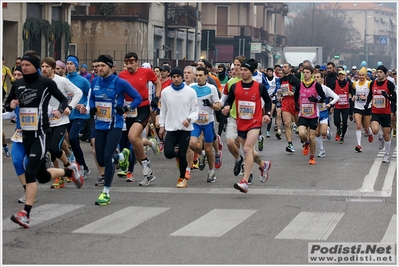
(84, 85)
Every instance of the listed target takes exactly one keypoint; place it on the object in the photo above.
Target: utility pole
(275, 37)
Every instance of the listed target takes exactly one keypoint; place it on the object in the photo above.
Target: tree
(332, 30)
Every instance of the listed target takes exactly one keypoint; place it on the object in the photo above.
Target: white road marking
(121, 221)
(386, 190)
(390, 234)
(311, 226)
(43, 213)
(369, 180)
(215, 223)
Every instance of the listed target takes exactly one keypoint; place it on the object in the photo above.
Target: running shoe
(218, 160)
(242, 170)
(328, 133)
(275, 128)
(261, 138)
(278, 135)
(103, 200)
(394, 133)
(264, 172)
(267, 134)
(67, 179)
(290, 148)
(148, 179)
(312, 161)
(201, 160)
(122, 174)
(337, 136)
(220, 143)
(195, 164)
(100, 182)
(371, 138)
(76, 177)
(155, 146)
(305, 149)
(58, 183)
(322, 153)
(351, 117)
(22, 199)
(385, 159)
(237, 166)
(47, 158)
(187, 175)
(6, 151)
(86, 172)
(251, 177)
(242, 186)
(211, 177)
(341, 141)
(21, 218)
(161, 146)
(129, 177)
(124, 164)
(381, 143)
(71, 157)
(181, 183)
(146, 167)
(358, 148)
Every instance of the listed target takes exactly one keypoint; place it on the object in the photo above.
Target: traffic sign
(384, 40)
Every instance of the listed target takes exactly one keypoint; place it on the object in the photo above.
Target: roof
(353, 6)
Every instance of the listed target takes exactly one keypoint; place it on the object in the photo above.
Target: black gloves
(93, 111)
(121, 110)
(154, 102)
(313, 99)
(384, 93)
(207, 103)
(296, 107)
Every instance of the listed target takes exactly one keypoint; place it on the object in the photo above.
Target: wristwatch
(70, 108)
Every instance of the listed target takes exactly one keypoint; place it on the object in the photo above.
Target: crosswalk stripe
(390, 234)
(121, 221)
(311, 226)
(369, 180)
(386, 190)
(215, 223)
(43, 213)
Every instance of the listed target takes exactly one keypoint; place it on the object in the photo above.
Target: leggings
(56, 142)
(125, 143)
(74, 128)
(181, 138)
(106, 143)
(337, 119)
(18, 156)
(36, 148)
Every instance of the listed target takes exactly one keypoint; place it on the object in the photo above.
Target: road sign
(384, 40)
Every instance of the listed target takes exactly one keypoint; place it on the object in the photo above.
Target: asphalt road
(346, 197)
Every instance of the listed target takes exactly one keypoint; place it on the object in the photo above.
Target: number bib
(307, 110)
(343, 99)
(321, 106)
(358, 99)
(17, 137)
(246, 109)
(104, 111)
(69, 97)
(379, 101)
(28, 119)
(203, 117)
(285, 88)
(130, 114)
(53, 120)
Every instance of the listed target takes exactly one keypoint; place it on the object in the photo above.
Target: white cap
(354, 67)
(368, 69)
(146, 65)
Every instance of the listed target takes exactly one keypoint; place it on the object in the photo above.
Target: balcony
(113, 11)
(181, 16)
(281, 40)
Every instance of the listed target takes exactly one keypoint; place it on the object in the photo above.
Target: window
(222, 20)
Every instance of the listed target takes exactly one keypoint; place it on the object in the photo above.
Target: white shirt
(176, 106)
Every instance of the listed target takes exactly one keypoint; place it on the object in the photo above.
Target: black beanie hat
(32, 59)
(250, 64)
(383, 68)
(177, 71)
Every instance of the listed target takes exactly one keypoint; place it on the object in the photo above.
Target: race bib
(104, 111)
(307, 110)
(285, 88)
(246, 109)
(53, 120)
(358, 99)
(69, 97)
(17, 137)
(379, 101)
(130, 114)
(28, 119)
(321, 106)
(203, 117)
(343, 99)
